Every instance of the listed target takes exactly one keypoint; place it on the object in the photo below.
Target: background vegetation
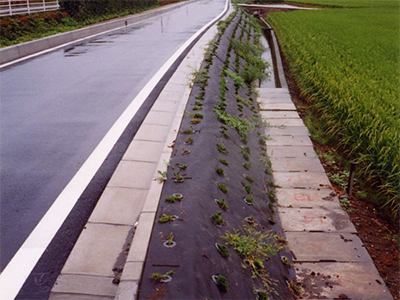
(346, 63)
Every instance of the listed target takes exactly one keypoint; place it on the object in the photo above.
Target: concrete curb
(19, 51)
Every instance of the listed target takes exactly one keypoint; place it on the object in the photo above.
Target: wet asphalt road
(56, 108)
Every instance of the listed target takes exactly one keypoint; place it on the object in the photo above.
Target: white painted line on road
(17, 271)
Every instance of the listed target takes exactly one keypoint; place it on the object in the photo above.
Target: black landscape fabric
(195, 258)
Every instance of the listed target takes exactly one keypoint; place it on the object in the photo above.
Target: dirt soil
(379, 234)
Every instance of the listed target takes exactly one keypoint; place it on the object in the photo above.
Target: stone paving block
(290, 141)
(148, 151)
(141, 239)
(316, 219)
(290, 151)
(97, 250)
(308, 180)
(153, 197)
(355, 281)
(307, 198)
(287, 130)
(170, 96)
(119, 206)
(159, 118)
(267, 114)
(277, 106)
(127, 290)
(59, 296)
(167, 106)
(334, 247)
(133, 174)
(86, 285)
(151, 132)
(285, 122)
(132, 271)
(297, 164)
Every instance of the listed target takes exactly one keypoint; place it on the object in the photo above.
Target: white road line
(23, 262)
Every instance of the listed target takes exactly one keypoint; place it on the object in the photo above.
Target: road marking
(21, 265)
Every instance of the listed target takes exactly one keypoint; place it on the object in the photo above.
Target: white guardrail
(18, 7)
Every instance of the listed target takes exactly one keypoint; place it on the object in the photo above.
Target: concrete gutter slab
(290, 141)
(275, 152)
(297, 164)
(355, 281)
(277, 106)
(287, 131)
(279, 115)
(316, 247)
(285, 122)
(145, 151)
(59, 296)
(133, 174)
(311, 180)
(324, 220)
(307, 198)
(273, 91)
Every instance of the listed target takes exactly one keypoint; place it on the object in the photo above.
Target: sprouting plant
(225, 133)
(198, 116)
(198, 103)
(182, 166)
(292, 286)
(197, 108)
(201, 95)
(170, 239)
(221, 203)
(166, 218)
(223, 250)
(280, 239)
(248, 177)
(345, 203)
(222, 187)
(286, 261)
(174, 197)
(262, 295)
(254, 246)
(223, 161)
(159, 276)
(195, 121)
(185, 152)
(178, 177)
(217, 218)
(188, 131)
(272, 195)
(268, 171)
(247, 187)
(163, 176)
(270, 183)
(271, 206)
(249, 199)
(220, 172)
(189, 140)
(222, 283)
(244, 140)
(247, 165)
(222, 149)
(245, 155)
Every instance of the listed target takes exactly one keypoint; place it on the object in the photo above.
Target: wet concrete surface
(56, 108)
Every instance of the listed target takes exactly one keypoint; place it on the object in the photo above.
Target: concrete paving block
(86, 285)
(290, 141)
(153, 197)
(279, 115)
(127, 290)
(170, 96)
(285, 122)
(307, 180)
(272, 90)
(277, 106)
(119, 206)
(132, 271)
(159, 118)
(287, 130)
(275, 152)
(148, 151)
(316, 219)
(62, 296)
(133, 174)
(151, 132)
(275, 99)
(97, 250)
(355, 281)
(9, 54)
(333, 247)
(166, 106)
(175, 87)
(297, 164)
(307, 198)
(141, 239)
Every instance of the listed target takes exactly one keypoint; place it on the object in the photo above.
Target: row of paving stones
(329, 258)
(117, 234)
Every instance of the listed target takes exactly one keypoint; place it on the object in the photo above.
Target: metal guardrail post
(29, 8)
(9, 7)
